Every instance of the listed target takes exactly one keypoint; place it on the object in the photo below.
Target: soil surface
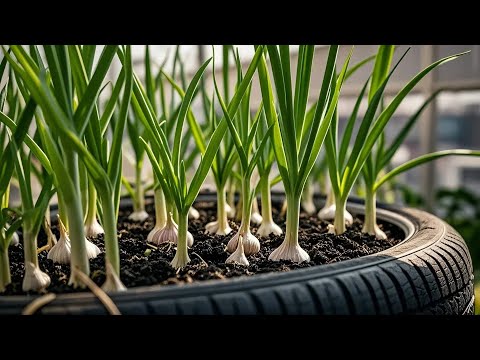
(142, 264)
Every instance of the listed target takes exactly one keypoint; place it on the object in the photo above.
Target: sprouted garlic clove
(251, 244)
(327, 213)
(215, 228)
(238, 256)
(93, 229)
(61, 252)
(169, 233)
(193, 214)
(138, 216)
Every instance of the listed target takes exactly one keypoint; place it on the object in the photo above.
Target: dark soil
(142, 264)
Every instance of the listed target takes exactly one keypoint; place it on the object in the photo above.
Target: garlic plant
(243, 132)
(344, 170)
(171, 171)
(264, 165)
(297, 143)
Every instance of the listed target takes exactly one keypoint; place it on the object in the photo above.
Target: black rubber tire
(430, 273)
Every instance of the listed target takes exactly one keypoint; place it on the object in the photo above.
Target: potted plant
(387, 260)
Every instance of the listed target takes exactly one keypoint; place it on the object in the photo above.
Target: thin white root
(138, 216)
(289, 252)
(38, 303)
(98, 292)
(193, 214)
(112, 282)
(250, 243)
(93, 229)
(268, 228)
(34, 278)
(327, 213)
(238, 256)
(214, 228)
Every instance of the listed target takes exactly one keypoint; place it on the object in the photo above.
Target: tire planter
(430, 272)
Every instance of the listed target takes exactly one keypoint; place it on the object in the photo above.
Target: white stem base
(230, 210)
(287, 251)
(238, 256)
(379, 234)
(250, 243)
(138, 216)
(193, 214)
(308, 206)
(34, 278)
(268, 228)
(215, 229)
(112, 282)
(180, 260)
(93, 229)
(169, 233)
(327, 213)
(256, 218)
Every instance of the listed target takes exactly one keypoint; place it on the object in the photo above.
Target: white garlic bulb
(238, 256)
(169, 233)
(138, 216)
(34, 278)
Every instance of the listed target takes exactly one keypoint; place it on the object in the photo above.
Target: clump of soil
(142, 264)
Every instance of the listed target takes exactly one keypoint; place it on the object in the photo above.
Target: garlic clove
(34, 278)
(151, 235)
(287, 251)
(193, 214)
(238, 256)
(250, 243)
(15, 240)
(327, 213)
(169, 234)
(230, 210)
(93, 229)
(214, 228)
(256, 218)
(268, 228)
(112, 282)
(92, 249)
(138, 216)
(61, 252)
(308, 206)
